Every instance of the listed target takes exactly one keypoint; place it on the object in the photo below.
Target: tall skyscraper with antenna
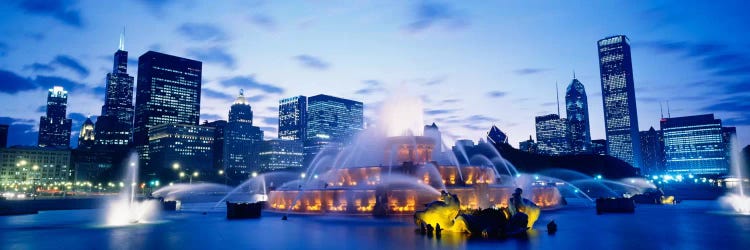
(618, 94)
(114, 128)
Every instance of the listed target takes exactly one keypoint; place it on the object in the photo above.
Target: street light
(175, 166)
(221, 172)
(195, 174)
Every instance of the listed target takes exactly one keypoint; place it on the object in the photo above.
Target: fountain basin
(615, 205)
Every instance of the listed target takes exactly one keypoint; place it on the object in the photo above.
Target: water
(126, 209)
(737, 200)
(689, 225)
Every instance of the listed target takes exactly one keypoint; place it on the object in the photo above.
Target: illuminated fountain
(395, 169)
(126, 208)
(738, 201)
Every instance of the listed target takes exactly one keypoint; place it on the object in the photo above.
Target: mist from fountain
(736, 200)
(126, 209)
(258, 187)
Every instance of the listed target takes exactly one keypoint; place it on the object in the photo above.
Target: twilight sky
(473, 63)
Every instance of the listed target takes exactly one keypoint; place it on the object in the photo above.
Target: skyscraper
(331, 122)
(86, 136)
(528, 146)
(618, 94)
(3, 135)
(114, 127)
(577, 110)
(188, 146)
(552, 135)
(241, 141)
(169, 91)
(694, 145)
(293, 118)
(652, 152)
(54, 128)
(280, 155)
(218, 146)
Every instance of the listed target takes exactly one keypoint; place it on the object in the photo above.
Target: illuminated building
(54, 128)
(189, 146)
(114, 128)
(34, 166)
(528, 146)
(552, 135)
(331, 123)
(577, 114)
(280, 155)
(168, 92)
(652, 152)
(241, 140)
(694, 145)
(293, 118)
(618, 94)
(86, 136)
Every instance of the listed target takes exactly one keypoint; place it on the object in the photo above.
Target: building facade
(54, 127)
(34, 166)
(114, 128)
(528, 146)
(241, 141)
(218, 146)
(280, 155)
(577, 112)
(188, 146)
(599, 147)
(293, 118)
(4, 135)
(618, 94)
(552, 135)
(331, 123)
(168, 92)
(652, 152)
(86, 136)
(694, 145)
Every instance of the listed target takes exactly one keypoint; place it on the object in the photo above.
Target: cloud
(439, 111)
(263, 21)
(70, 63)
(372, 87)
(39, 67)
(497, 94)
(60, 61)
(312, 62)
(256, 98)
(719, 59)
(736, 105)
(450, 101)
(12, 83)
(216, 94)
(479, 119)
(430, 14)
(217, 55)
(530, 71)
(201, 32)
(61, 10)
(249, 82)
(157, 6)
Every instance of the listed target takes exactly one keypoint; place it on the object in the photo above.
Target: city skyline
(498, 78)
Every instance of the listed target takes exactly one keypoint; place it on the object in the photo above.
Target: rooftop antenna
(661, 110)
(122, 40)
(574, 74)
(669, 114)
(557, 94)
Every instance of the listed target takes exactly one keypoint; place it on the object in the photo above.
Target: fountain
(126, 208)
(395, 164)
(737, 200)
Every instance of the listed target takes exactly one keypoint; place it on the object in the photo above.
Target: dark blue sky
(473, 63)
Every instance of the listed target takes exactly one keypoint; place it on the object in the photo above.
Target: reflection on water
(687, 225)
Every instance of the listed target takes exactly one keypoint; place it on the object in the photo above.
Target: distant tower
(618, 94)
(496, 136)
(86, 136)
(241, 140)
(114, 128)
(433, 132)
(54, 128)
(577, 110)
